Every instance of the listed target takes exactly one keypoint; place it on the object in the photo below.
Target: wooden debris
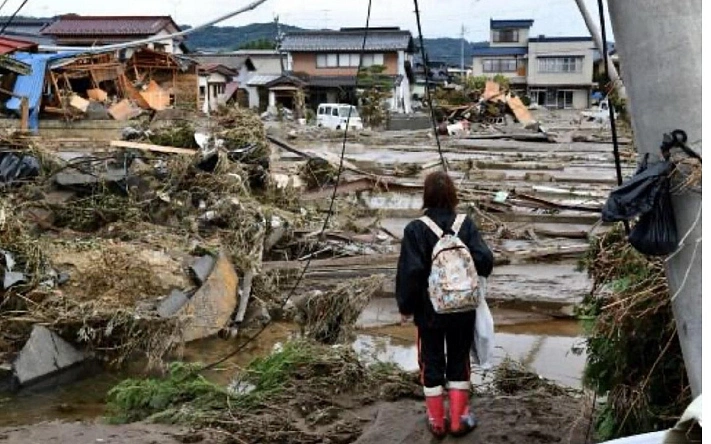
(124, 110)
(156, 97)
(520, 111)
(149, 147)
(97, 94)
(79, 103)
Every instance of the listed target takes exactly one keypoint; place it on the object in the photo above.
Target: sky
(440, 18)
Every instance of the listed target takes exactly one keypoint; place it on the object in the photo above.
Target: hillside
(227, 38)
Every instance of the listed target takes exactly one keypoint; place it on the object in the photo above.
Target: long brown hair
(440, 192)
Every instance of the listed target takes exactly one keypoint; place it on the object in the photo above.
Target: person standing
(435, 330)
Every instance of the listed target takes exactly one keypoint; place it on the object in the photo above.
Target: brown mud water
(543, 347)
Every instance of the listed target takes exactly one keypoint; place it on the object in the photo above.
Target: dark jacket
(415, 263)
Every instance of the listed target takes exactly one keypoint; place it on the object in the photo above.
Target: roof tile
(318, 41)
(108, 25)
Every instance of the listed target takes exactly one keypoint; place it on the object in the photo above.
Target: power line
(22, 5)
(3, 4)
(427, 87)
(328, 215)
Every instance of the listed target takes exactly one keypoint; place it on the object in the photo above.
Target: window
(499, 65)
(328, 110)
(373, 59)
(331, 60)
(202, 91)
(347, 60)
(321, 111)
(334, 112)
(506, 36)
(344, 110)
(565, 99)
(560, 64)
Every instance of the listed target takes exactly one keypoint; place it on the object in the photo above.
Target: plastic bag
(655, 233)
(17, 166)
(638, 194)
(482, 350)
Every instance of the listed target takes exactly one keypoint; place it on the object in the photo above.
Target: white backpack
(453, 281)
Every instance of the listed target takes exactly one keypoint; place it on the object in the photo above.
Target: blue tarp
(32, 85)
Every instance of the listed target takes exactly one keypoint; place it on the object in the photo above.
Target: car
(335, 116)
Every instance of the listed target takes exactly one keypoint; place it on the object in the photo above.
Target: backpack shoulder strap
(458, 222)
(432, 226)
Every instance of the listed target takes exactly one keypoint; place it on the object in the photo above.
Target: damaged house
(74, 86)
(327, 62)
(556, 72)
(213, 82)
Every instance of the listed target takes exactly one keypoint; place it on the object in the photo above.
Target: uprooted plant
(303, 382)
(634, 355)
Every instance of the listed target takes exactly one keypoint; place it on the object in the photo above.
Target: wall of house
(514, 77)
(523, 35)
(306, 62)
(537, 50)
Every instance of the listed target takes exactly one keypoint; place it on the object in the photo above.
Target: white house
(556, 72)
(212, 84)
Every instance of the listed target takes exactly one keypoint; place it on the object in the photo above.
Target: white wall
(560, 49)
(171, 46)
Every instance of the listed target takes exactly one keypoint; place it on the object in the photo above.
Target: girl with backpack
(441, 257)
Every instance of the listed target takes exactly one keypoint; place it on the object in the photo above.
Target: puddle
(545, 346)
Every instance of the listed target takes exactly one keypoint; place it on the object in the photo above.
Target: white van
(335, 116)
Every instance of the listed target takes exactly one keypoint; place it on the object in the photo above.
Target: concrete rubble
(44, 354)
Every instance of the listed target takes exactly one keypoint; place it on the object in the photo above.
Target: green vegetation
(634, 356)
(376, 89)
(259, 44)
(301, 371)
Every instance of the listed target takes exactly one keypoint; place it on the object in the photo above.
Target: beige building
(556, 72)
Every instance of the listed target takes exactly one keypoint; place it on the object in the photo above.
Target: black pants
(436, 368)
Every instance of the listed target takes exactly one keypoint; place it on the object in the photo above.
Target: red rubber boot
(434, 400)
(461, 420)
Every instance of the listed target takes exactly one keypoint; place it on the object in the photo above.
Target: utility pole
(278, 40)
(660, 51)
(595, 33)
(461, 41)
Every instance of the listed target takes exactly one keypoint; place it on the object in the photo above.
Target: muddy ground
(536, 418)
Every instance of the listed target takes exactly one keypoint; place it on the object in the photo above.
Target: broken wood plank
(331, 158)
(520, 111)
(79, 103)
(156, 97)
(97, 94)
(544, 203)
(149, 147)
(124, 110)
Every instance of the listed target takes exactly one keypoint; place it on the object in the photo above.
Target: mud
(529, 418)
(93, 433)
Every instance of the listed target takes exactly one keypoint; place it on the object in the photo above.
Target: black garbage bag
(655, 233)
(638, 195)
(16, 166)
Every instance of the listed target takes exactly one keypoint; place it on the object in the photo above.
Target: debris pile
(634, 354)
(492, 105)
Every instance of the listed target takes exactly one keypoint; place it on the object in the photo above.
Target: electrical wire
(3, 4)
(428, 94)
(326, 220)
(4, 27)
(610, 108)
